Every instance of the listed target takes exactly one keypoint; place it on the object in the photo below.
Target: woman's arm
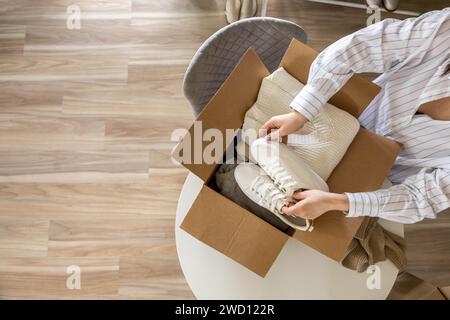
(376, 48)
(421, 196)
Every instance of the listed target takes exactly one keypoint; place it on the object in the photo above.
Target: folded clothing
(227, 185)
(321, 143)
(373, 244)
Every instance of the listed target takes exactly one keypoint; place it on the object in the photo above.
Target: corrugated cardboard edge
(234, 231)
(237, 99)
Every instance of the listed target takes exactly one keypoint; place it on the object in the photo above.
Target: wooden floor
(85, 123)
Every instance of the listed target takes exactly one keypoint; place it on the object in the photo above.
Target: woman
(413, 108)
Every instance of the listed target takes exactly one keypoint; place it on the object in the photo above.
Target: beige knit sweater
(322, 142)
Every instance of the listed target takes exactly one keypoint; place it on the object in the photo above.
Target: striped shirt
(412, 56)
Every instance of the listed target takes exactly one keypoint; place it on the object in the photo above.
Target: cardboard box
(241, 235)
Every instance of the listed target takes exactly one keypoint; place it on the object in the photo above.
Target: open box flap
(353, 97)
(226, 110)
(234, 231)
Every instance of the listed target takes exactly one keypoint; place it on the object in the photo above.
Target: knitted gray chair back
(220, 53)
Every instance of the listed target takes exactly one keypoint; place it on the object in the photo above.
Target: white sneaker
(260, 188)
(289, 172)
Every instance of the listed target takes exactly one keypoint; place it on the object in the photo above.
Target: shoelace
(280, 176)
(272, 198)
(268, 194)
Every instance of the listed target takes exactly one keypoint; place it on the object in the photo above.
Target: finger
(262, 132)
(284, 139)
(288, 210)
(290, 203)
(299, 195)
(274, 135)
(266, 127)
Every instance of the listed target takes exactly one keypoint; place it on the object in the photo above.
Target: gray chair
(220, 53)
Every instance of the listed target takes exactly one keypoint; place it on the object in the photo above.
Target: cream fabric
(283, 165)
(322, 142)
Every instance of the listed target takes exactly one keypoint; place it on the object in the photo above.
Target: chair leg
(241, 9)
(391, 5)
(248, 9)
(232, 10)
(262, 8)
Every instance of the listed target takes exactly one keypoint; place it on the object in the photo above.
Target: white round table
(299, 272)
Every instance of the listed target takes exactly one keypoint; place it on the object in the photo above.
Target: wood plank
(428, 249)
(92, 200)
(153, 276)
(47, 277)
(18, 68)
(159, 87)
(23, 237)
(170, 7)
(110, 237)
(43, 98)
(54, 12)
(47, 130)
(157, 129)
(12, 38)
(104, 38)
(16, 163)
(141, 99)
(182, 43)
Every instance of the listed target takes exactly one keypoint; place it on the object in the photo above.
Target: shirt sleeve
(376, 48)
(420, 196)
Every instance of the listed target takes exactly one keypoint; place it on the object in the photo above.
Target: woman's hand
(313, 203)
(282, 125)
